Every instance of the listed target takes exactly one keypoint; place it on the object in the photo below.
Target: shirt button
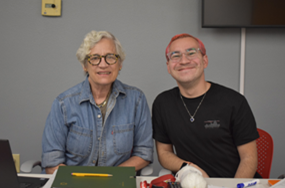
(99, 116)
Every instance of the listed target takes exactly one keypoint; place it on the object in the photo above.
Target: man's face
(187, 71)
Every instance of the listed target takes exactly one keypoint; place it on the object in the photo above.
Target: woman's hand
(50, 170)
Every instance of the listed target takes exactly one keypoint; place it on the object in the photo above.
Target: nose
(184, 59)
(103, 62)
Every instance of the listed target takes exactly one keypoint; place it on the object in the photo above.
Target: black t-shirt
(223, 122)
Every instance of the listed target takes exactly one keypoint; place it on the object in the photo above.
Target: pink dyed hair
(184, 35)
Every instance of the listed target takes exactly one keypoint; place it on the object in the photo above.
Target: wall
(38, 61)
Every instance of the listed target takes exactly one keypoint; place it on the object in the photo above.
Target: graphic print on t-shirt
(212, 124)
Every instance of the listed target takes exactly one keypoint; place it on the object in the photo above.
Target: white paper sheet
(213, 186)
(279, 184)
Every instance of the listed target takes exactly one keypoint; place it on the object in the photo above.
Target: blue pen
(247, 184)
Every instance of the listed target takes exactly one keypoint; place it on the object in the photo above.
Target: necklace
(192, 119)
(104, 102)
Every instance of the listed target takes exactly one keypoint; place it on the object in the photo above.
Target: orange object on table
(272, 182)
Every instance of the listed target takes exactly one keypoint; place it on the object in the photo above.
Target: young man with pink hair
(210, 126)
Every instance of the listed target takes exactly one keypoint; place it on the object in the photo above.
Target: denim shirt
(75, 134)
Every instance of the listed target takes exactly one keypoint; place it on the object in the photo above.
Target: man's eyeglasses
(190, 54)
(110, 59)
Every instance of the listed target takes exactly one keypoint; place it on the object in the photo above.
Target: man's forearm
(167, 158)
(173, 163)
(170, 161)
(246, 169)
(248, 160)
(135, 161)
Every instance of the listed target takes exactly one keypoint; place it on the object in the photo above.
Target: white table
(226, 182)
(35, 175)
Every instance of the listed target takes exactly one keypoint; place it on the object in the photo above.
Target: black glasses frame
(104, 56)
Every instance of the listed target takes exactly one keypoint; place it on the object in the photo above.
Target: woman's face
(103, 74)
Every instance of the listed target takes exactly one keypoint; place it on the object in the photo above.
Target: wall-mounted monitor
(243, 13)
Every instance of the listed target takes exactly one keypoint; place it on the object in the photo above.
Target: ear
(205, 61)
(121, 65)
(168, 68)
(84, 68)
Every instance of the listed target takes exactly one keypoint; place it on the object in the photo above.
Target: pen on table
(90, 174)
(247, 184)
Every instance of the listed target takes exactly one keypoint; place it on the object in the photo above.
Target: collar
(86, 94)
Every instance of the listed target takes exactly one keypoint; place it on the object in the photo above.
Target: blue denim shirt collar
(86, 94)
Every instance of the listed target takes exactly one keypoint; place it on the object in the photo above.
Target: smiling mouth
(185, 68)
(104, 73)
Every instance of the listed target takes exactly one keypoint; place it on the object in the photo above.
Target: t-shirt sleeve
(159, 127)
(244, 125)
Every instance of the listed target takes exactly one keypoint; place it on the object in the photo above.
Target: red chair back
(265, 153)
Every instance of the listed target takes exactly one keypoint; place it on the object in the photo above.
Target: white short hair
(90, 41)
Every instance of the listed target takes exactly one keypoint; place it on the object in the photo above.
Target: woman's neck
(100, 94)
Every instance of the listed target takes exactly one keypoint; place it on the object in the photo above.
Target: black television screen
(243, 13)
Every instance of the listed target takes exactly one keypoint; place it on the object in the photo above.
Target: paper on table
(213, 186)
(50, 181)
(279, 184)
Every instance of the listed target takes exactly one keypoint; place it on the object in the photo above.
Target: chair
(264, 152)
(164, 171)
(28, 166)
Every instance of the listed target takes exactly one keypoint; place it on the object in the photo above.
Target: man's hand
(204, 174)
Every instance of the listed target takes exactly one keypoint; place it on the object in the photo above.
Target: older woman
(101, 121)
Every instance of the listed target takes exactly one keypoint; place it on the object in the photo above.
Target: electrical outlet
(17, 161)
